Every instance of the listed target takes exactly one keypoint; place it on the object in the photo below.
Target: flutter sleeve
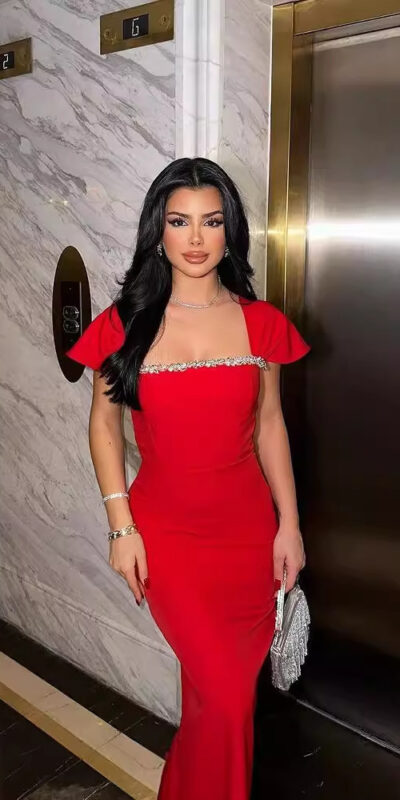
(103, 336)
(281, 342)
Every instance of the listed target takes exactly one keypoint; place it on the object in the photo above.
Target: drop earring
(226, 253)
(159, 249)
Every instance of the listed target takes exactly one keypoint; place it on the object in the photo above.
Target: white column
(199, 33)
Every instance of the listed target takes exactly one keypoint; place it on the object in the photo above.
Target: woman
(189, 348)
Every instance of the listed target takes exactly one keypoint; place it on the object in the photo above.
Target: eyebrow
(209, 214)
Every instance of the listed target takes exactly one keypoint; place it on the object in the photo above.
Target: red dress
(207, 518)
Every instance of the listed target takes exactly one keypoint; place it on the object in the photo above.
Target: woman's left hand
(289, 549)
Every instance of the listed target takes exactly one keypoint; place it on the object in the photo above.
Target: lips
(196, 256)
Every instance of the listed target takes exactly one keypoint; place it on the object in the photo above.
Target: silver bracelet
(114, 494)
(126, 531)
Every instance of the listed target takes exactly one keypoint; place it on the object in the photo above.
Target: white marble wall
(81, 140)
(244, 145)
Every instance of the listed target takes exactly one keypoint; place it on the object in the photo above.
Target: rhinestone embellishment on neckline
(229, 361)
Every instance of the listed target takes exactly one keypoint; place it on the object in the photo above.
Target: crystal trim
(229, 361)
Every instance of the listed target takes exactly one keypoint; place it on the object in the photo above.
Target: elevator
(334, 267)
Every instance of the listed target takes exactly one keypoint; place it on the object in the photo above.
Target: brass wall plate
(314, 15)
(149, 23)
(15, 58)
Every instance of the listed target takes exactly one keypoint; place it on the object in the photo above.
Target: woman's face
(194, 232)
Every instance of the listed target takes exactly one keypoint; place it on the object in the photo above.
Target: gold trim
(297, 211)
(281, 98)
(161, 26)
(99, 744)
(316, 15)
(22, 55)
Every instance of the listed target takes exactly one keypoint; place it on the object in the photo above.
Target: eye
(217, 222)
(177, 222)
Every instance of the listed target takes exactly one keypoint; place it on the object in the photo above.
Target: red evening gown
(208, 522)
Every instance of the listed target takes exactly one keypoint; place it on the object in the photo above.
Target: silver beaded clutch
(289, 646)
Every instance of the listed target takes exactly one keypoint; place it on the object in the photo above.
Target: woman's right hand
(128, 557)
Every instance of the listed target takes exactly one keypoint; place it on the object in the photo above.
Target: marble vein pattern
(81, 139)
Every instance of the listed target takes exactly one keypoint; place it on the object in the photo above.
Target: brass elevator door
(349, 480)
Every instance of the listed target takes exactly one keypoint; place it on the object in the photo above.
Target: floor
(352, 681)
(299, 754)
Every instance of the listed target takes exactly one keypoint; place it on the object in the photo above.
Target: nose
(195, 236)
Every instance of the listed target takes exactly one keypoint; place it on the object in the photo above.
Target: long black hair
(147, 284)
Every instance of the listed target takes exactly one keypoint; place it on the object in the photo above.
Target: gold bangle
(126, 531)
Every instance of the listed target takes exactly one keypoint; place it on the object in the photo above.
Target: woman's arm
(108, 453)
(272, 445)
(107, 450)
(273, 451)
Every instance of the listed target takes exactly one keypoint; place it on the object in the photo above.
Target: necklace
(198, 305)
